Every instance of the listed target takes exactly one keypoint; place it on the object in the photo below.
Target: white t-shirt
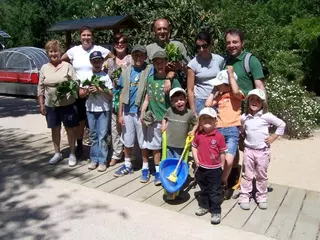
(80, 59)
(97, 102)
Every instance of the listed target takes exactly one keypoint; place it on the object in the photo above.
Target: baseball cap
(159, 54)
(95, 55)
(175, 90)
(139, 48)
(257, 92)
(208, 111)
(222, 78)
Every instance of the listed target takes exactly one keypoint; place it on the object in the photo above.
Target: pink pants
(255, 164)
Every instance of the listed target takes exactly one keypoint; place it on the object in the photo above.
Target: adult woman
(122, 60)
(64, 110)
(201, 69)
(79, 57)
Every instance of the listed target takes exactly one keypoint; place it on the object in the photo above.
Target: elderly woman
(63, 110)
(79, 57)
(121, 60)
(201, 69)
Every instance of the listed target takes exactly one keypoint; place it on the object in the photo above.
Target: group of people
(221, 101)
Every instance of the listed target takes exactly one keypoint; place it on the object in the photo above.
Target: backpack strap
(247, 63)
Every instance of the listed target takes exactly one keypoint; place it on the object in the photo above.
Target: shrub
(298, 108)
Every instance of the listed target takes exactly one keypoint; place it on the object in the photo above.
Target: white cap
(257, 92)
(208, 111)
(222, 78)
(175, 90)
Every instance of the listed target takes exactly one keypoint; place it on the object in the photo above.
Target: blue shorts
(199, 104)
(66, 114)
(231, 135)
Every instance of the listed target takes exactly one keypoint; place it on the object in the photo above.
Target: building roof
(107, 22)
(4, 34)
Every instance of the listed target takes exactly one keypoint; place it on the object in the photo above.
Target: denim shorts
(199, 104)
(231, 135)
(66, 114)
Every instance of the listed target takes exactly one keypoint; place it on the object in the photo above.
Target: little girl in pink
(256, 156)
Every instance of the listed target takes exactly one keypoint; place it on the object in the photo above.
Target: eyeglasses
(203, 46)
(121, 42)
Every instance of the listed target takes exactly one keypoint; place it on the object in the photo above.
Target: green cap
(139, 48)
(159, 54)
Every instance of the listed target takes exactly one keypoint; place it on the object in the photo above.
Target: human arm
(164, 125)
(65, 58)
(195, 155)
(233, 84)
(223, 159)
(190, 89)
(278, 123)
(211, 100)
(144, 107)
(41, 90)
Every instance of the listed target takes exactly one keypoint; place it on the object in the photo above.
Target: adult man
(235, 48)
(246, 81)
(161, 28)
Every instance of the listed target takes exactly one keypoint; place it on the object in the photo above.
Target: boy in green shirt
(157, 102)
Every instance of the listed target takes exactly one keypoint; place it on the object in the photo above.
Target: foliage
(65, 88)
(173, 53)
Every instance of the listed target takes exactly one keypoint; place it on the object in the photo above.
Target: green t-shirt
(179, 124)
(245, 82)
(159, 102)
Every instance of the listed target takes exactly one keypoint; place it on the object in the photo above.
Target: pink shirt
(257, 128)
(209, 147)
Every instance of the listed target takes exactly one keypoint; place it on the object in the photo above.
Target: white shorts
(153, 137)
(132, 128)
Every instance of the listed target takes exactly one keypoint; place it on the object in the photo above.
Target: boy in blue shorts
(157, 102)
(133, 82)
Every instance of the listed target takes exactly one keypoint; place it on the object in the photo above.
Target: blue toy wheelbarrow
(174, 172)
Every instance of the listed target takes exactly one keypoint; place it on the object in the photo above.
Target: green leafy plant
(116, 74)
(67, 87)
(173, 53)
(94, 81)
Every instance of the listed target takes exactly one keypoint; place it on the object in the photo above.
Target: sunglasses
(121, 42)
(203, 46)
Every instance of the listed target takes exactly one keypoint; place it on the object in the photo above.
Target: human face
(203, 48)
(97, 64)
(138, 59)
(207, 123)
(179, 102)
(54, 55)
(160, 66)
(255, 104)
(234, 45)
(86, 39)
(121, 46)
(223, 88)
(161, 30)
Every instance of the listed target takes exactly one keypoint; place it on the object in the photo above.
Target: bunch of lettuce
(67, 87)
(173, 53)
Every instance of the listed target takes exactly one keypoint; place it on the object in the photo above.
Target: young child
(157, 102)
(178, 121)
(208, 149)
(133, 82)
(228, 99)
(98, 113)
(256, 156)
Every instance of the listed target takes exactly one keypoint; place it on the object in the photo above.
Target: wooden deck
(292, 214)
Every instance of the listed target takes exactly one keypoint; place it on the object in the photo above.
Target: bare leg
(56, 137)
(227, 168)
(145, 155)
(80, 129)
(127, 152)
(71, 134)
(156, 157)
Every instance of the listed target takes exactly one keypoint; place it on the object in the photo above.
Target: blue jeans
(231, 135)
(173, 152)
(199, 104)
(99, 125)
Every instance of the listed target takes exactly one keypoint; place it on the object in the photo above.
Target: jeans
(98, 124)
(173, 152)
(199, 104)
(231, 135)
(209, 181)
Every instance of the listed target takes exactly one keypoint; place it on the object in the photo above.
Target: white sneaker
(72, 160)
(56, 158)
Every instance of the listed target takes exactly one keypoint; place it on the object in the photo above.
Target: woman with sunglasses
(201, 69)
(121, 60)
(78, 56)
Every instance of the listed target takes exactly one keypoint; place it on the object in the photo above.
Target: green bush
(297, 107)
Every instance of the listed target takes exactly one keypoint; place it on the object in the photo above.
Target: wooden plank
(307, 224)
(238, 217)
(145, 192)
(227, 206)
(102, 179)
(129, 188)
(261, 219)
(69, 173)
(282, 225)
(157, 198)
(119, 181)
(190, 208)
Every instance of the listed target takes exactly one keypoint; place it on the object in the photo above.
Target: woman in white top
(78, 56)
(201, 69)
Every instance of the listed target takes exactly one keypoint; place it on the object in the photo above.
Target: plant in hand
(173, 53)
(67, 87)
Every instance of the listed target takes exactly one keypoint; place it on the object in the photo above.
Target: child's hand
(191, 133)
(163, 128)
(83, 92)
(120, 119)
(230, 70)
(93, 89)
(271, 139)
